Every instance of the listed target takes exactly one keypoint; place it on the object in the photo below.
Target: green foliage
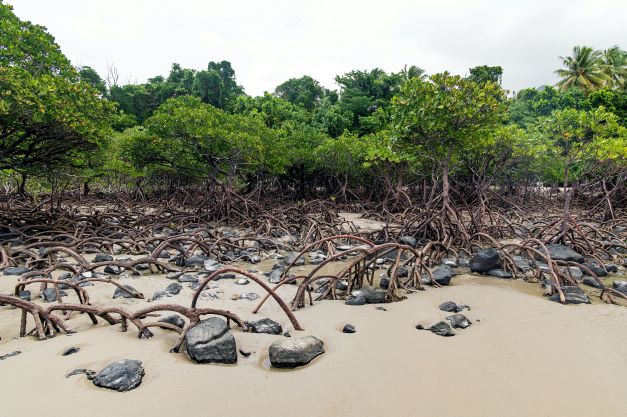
(484, 73)
(273, 110)
(303, 91)
(583, 70)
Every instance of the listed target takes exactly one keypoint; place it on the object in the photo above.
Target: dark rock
(371, 295)
(341, 285)
(275, 276)
(463, 262)
(267, 326)
(442, 329)
(103, 257)
(450, 262)
(295, 351)
(575, 272)
(87, 372)
(598, 270)
(187, 278)
(563, 253)
(521, 263)
(348, 328)
(8, 355)
(611, 268)
(408, 240)
(119, 292)
(588, 280)
(572, 295)
(113, 270)
(210, 341)
(291, 257)
(499, 273)
(385, 282)
(620, 286)
(420, 327)
(451, 307)
(173, 319)
(443, 275)
(173, 289)
(253, 259)
(70, 351)
(485, 260)
(25, 295)
(195, 261)
(17, 270)
(381, 308)
(245, 354)
(123, 375)
(354, 300)
(173, 275)
(50, 294)
(459, 321)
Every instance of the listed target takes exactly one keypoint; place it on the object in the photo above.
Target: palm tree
(412, 72)
(583, 70)
(615, 66)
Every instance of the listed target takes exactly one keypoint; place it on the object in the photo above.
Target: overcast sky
(270, 41)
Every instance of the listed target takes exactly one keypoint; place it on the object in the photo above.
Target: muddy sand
(522, 356)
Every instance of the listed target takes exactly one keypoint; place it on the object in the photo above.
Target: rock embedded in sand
(348, 328)
(598, 270)
(122, 375)
(485, 260)
(452, 307)
(173, 319)
(588, 280)
(266, 325)
(210, 341)
(173, 289)
(50, 294)
(295, 351)
(563, 253)
(24, 295)
(620, 286)
(119, 292)
(499, 273)
(459, 321)
(8, 355)
(442, 329)
(70, 351)
(370, 294)
(87, 372)
(15, 270)
(187, 278)
(103, 257)
(355, 300)
(572, 295)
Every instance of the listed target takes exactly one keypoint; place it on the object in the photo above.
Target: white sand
(523, 356)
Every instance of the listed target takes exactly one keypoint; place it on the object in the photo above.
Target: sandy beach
(523, 356)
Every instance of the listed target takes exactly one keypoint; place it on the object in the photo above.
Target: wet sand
(523, 356)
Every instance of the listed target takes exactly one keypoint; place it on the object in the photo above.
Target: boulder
(292, 257)
(442, 329)
(452, 307)
(408, 240)
(173, 289)
(443, 275)
(588, 280)
(598, 270)
(123, 375)
(485, 260)
(563, 253)
(295, 351)
(210, 341)
(459, 321)
(371, 295)
(572, 295)
(620, 286)
(355, 300)
(267, 326)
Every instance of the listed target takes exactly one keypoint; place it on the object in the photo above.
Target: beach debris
(295, 351)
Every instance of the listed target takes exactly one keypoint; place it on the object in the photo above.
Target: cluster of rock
(457, 320)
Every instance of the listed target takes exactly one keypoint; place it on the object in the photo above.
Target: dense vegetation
(396, 139)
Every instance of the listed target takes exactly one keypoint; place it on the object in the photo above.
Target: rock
(611, 268)
(521, 263)
(485, 260)
(173, 275)
(17, 270)
(119, 292)
(173, 319)
(385, 282)
(70, 351)
(572, 295)
(463, 262)
(187, 278)
(588, 280)
(598, 270)
(380, 308)
(452, 307)
(244, 354)
(242, 281)
(275, 276)
(450, 262)
(443, 275)
(8, 355)
(103, 257)
(291, 257)
(371, 295)
(123, 375)
(295, 351)
(341, 285)
(267, 326)
(173, 289)
(211, 265)
(88, 372)
(348, 328)
(499, 273)
(408, 240)
(50, 294)
(563, 253)
(248, 296)
(344, 248)
(195, 261)
(459, 321)
(25, 295)
(114, 270)
(575, 272)
(620, 286)
(354, 300)
(253, 259)
(210, 341)
(442, 329)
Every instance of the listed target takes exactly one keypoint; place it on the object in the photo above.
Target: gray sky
(270, 41)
